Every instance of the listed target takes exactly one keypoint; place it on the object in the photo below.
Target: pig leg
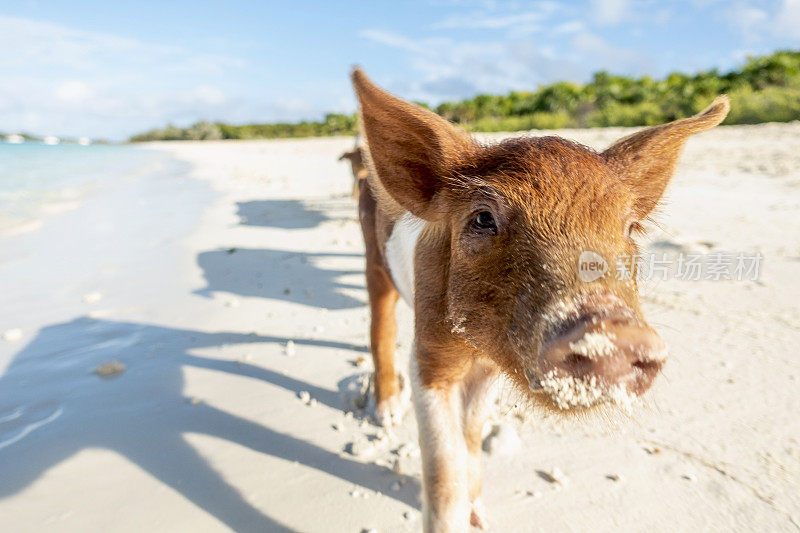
(383, 329)
(480, 389)
(444, 456)
(383, 335)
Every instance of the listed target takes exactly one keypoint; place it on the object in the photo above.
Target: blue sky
(110, 69)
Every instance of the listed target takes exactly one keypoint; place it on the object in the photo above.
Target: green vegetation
(764, 89)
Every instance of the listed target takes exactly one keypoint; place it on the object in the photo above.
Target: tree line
(764, 89)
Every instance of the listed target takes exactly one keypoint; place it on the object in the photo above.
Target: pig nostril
(577, 363)
(649, 368)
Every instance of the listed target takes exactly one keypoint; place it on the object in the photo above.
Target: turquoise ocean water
(38, 180)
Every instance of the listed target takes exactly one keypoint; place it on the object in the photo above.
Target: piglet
(488, 245)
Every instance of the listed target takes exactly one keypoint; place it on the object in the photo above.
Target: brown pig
(358, 168)
(484, 242)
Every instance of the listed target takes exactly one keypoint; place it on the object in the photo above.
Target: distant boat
(84, 141)
(51, 139)
(15, 138)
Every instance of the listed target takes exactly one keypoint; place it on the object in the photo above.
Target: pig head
(498, 263)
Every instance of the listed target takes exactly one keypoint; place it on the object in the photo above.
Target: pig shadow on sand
(52, 407)
(294, 214)
(313, 279)
(281, 275)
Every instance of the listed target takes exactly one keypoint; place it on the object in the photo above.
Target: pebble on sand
(555, 475)
(651, 450)
(110, 369)
(408, 449)
(12, 335)
(502, 440)
(360, 448)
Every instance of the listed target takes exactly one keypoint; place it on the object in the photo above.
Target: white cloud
(748, 20)
(571, 26)
(449, 69)
(610, 12)
(482, 21)
(392, 39)
(210, 95)
(601, 55)
(787, 20)
(71, 82)
(756, 24)
(73, 92)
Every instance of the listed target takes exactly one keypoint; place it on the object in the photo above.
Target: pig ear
(646, 160)
(411, 148)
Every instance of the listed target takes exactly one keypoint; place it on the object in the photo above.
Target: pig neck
(400, 251)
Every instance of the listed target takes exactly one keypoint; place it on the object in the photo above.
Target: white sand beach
(228, 299)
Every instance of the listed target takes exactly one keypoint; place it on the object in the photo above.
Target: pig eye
(483, 221)
(633, 227)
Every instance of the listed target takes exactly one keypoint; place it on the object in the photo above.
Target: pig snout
(598, 358)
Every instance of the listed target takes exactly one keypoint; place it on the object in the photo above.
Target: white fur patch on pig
(400, 254)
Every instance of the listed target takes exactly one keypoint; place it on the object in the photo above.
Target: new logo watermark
(591, 266)
(718, 266)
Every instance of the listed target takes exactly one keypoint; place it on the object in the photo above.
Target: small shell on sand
(110, 369)
(361, 362)
(12, 335)
(614, 477)
(304, 396)
(289, 349)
